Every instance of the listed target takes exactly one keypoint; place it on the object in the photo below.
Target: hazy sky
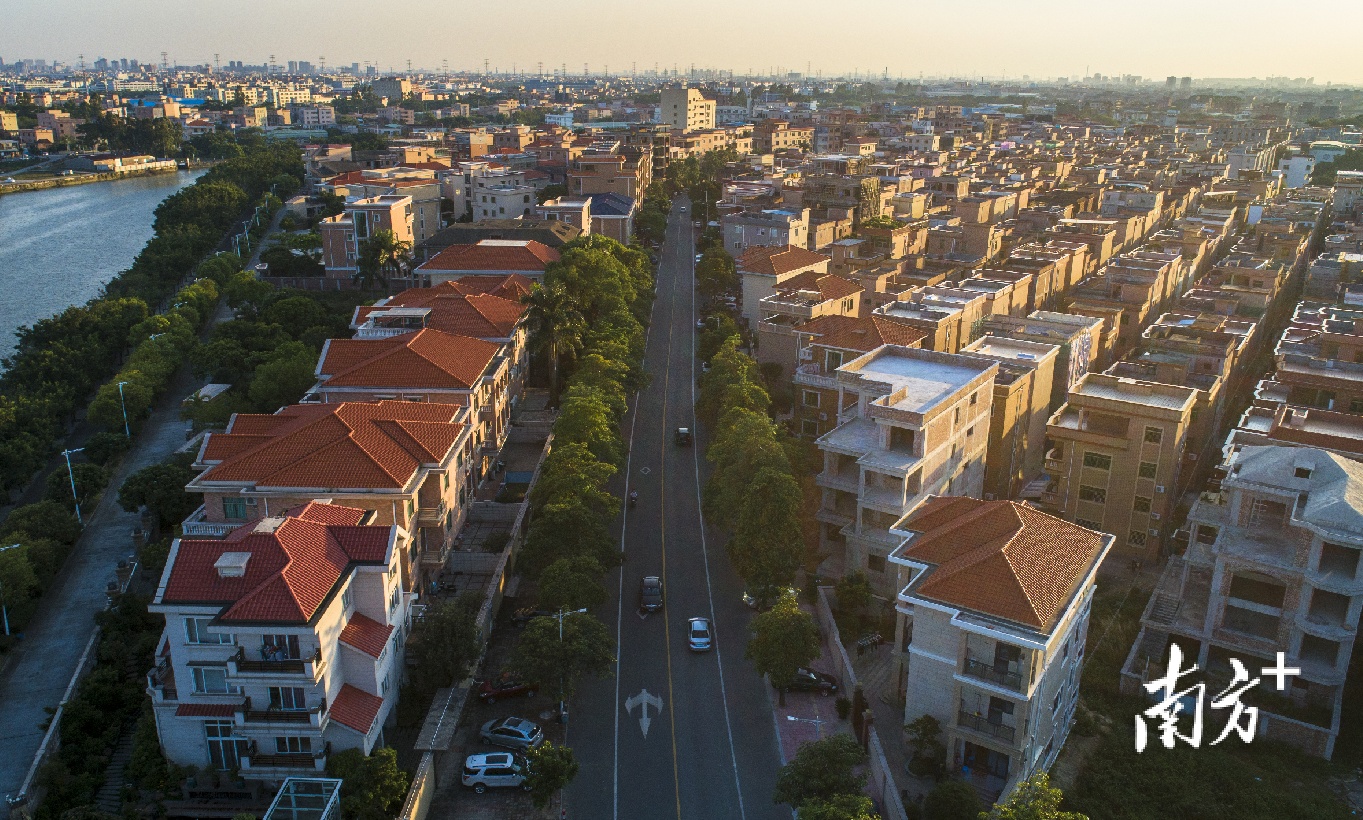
(1154, 38)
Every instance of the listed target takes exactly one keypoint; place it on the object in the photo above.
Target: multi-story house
(686, 109)
(412, 464)
(993, 605)
(779, 135)
(912, 423)
(283, 644)
(1272, 565)
(487, 257)
(1079, 338)
(772, 228)
(796, 301)
(344, 235)
(1022, 405)
(824, 344)
(762, 269)
(1116, 460)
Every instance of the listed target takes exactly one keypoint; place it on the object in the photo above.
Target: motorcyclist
(633, 497)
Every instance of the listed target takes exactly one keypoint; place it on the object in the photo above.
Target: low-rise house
(761, 269)
(487, 257)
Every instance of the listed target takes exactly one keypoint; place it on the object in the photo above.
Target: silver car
(698, 636)
(512, 732)
(494, 771)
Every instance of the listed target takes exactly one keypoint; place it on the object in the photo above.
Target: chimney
(232, 564)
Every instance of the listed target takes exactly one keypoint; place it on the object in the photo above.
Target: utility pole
(540, 68)
(4, 603)
(559, 616)
(321, 65)
(124, 405)
(71, 475)
(217, 65)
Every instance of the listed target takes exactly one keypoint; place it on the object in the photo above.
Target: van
(497, 770)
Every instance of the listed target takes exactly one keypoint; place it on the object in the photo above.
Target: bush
(43, 519)
(844, 707)
(953, 800)
(89, 478)
(101, 448)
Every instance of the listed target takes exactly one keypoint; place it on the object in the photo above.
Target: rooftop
(918, 380)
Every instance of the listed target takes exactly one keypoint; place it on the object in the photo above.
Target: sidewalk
(814, 716)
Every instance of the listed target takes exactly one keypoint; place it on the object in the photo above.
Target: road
(709, 748)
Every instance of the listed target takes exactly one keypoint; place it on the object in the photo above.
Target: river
(59, 246)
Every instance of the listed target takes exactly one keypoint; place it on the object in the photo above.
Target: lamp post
(124, 404)
(562, 704)
(4, 604)
(71, 475)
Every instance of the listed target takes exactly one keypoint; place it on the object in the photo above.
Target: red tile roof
(1000, 558)
(829, 286)
(424, 359)
(294, 564)
(493, 255)
(484, 307)
(853, 333)
(205, 710)
(775, 261)
(356, 709)
(352, 444)
(366, 634)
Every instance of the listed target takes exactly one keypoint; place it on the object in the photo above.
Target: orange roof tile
(1000, 558)
(366, 634)
(352, 444)
(493, 255)
(483, 307)
(427, 358)
(829, 286)
(292, 570)
(775, 261)
(853, 333)
(356, 709)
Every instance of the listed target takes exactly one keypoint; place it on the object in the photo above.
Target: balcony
(812, 374)
(310, 717)
(847, 482)
(161, 684)
(311, 667)
(976, 668)
(196, 526)
(981, 724)
(1050, 497)
(1054, 463)
(309, 761)
(432, 515)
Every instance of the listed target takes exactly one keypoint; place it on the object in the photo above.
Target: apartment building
(1021, 408)
(487, 257)
(686, 109)
(779, 135)
(1116, 459)
(505, 201)
(344, 235)
(823, 345)
(413, 464)
(1079, 339)
(912, 423)
(284, 642)
(993, 605)
(762, 268)
(772, 228)
(627, 176)
(1271, 566)
(419, 184)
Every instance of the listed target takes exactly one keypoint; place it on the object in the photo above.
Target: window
(347, 598)
(875, 563)
(288, 698)
(210, 680)
(1098, 461)
(832, 360)
(224, 750)
(809, 427)
(394, 598)
(1154, 435)
(1206, 534)
(1356, 406)
(1141, 504)
(293, 745)
(196, 631)
(1301, 472)
(1136, 538)
(974, 397)
(1097, 495)
(1267, 513)
(810, 398)
(280, 648)
(1093, 525)
(1148, 469)
(234, 509)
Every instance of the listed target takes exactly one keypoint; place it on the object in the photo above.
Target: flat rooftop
(917, 383)
(1006, 348)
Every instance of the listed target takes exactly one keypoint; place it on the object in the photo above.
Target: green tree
(445, 643)
(839, 807)
(284, 378)
(570, 470)
(952, 800)
(585, 418)
(716, 274)
(585, 649)
(744, 445)
(42, 519)
(18, 579)
(90, 480)
(552, 768)
(928, 752)
(784, 638)
(768, 544)
(822, 770)
(373, 787)
(1033, 799)
(382, 257)
(549, 192)
(567, 527)
(162, 488)
(572, 583)
(556, 326)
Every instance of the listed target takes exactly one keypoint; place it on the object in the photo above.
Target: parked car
(525, 615)
(498, 770)
(650, 593)
(505, 686)
(681, 208)
(512, 732)
(812, 680)
(683, 436)
(698, 636)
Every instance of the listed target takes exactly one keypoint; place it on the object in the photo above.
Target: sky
(1037, 38)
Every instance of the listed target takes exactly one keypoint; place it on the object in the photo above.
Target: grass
(1231, 781)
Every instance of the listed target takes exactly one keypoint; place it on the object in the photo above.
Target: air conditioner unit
(251, 502)
(1155, 533)
(823, 417)
(1159, 488)
(1154, 516)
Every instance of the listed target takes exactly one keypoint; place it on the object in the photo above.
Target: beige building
(1022, 406)
(685, 109)
(912, 424)
(763, 268)
(1117, 455)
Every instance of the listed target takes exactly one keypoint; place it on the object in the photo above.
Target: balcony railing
(981, 724)
(239, 665)
(979, 669)
(432, 516)
(161, 684)
(813, 375)
(316, 761)
(195, 526)
(312, 717)
(1053, 463)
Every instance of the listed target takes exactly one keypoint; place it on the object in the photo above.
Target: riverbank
(22, 186)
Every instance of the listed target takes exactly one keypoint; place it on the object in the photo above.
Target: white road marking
(644, 700)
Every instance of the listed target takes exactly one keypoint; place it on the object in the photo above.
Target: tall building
(685, 109)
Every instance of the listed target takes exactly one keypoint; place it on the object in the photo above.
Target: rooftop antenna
(217, 66)
(540, 66)
(165, 64)
(321, 65)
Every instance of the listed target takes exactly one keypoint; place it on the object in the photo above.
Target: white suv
(495, 771)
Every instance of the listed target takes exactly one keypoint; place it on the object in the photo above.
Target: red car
(505, 686)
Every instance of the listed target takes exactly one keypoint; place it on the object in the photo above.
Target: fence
(882, 786)
(317, 283)
(422, 791)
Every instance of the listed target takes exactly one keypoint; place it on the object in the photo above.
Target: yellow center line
(662, 540)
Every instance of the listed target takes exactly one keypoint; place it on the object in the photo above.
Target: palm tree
(382, 256)
(556, 327)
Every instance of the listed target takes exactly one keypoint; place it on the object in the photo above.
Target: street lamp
(124, 405)
(4, 604)
(562, 704)
(71, 475)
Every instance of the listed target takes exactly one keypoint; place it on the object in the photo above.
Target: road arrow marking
(644, 700)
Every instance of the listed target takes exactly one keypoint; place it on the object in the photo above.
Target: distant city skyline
(1154, 39)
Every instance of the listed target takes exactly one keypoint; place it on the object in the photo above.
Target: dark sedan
(504, 686)
(812, 680)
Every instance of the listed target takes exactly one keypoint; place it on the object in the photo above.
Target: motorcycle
(633, 498)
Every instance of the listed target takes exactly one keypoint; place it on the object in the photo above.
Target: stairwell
(109, 798)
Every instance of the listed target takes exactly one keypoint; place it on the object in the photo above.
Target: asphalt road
(706, 748)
